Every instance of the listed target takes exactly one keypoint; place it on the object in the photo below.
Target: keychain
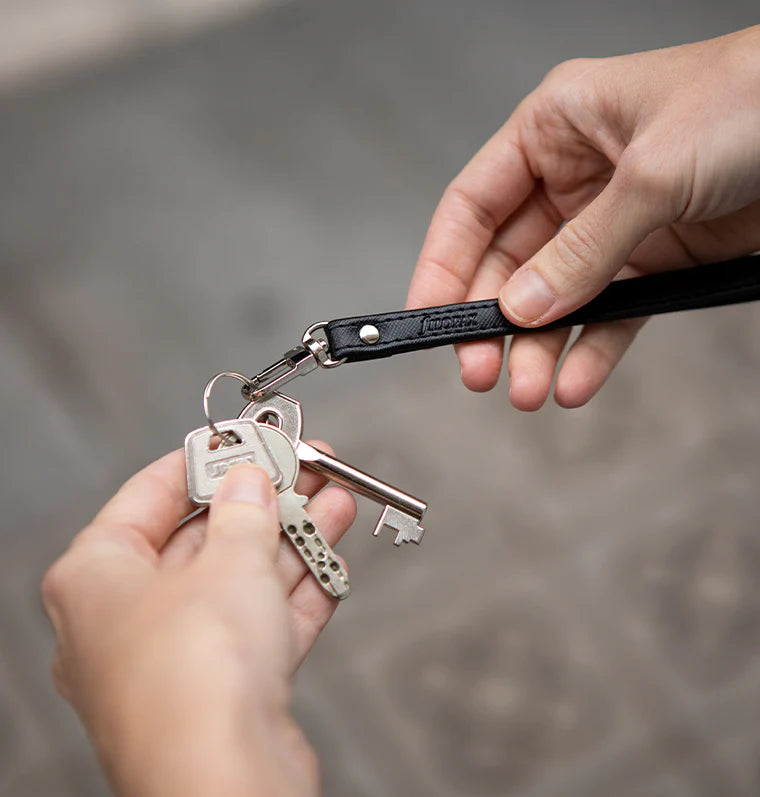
(268, 430)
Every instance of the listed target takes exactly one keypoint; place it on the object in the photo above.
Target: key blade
(311, 546)
(298, 526)
(406, 527)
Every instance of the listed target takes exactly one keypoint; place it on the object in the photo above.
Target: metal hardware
(226, 438)
(296, 362)
(279, 411)
(296, 523)
(402, 512)
(299, 361)
(369, 334)
(206, 467)
(318, 346)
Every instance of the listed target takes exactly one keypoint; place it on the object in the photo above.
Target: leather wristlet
(370, 337)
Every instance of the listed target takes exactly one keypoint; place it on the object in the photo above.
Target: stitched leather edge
(610, 305)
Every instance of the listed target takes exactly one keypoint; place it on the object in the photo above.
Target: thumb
(582, 258)
(243, 520)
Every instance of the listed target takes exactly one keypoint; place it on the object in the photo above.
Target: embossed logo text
(445, 323)
(215, 470)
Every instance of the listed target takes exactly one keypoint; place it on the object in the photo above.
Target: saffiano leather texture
(728, 282)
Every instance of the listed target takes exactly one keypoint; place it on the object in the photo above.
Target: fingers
(519, 238)
(308, 482)
(113, 559)
(147, 509)
(333, 511)
(243, 526)
(591, 360)
(588, 364)
(583, 257)
(491, 187)
(90, 584)
(311, 608)
(188, 540)
(533, 358)
(480, 362)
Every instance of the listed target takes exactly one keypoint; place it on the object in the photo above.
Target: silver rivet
(369, 334)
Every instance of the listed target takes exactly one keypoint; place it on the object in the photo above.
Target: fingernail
(246, 483)
(526, 296)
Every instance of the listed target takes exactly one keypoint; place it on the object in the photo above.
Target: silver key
(206, 466)
(296, 524)
(402, 512)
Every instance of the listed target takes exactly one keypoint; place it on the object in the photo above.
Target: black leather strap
(730, 282)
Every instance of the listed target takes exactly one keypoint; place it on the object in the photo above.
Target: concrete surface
(40, 39)
(583, 617)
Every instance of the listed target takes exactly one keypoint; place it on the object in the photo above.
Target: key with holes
(206, 464)
(270, 449)
(402, 512)
(296, 524)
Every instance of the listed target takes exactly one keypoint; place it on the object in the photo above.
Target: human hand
(176, 646)
(653, 160)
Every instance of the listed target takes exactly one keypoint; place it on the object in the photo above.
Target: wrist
(203, 754)
(742, 51)
(198, 737)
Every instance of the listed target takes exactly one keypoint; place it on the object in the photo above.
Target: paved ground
(583, 617)
(39, 38)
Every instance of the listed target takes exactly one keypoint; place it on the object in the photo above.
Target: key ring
(225, 438)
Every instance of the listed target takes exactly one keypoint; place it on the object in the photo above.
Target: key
(206, 466)
(402, 512)
(296, 524)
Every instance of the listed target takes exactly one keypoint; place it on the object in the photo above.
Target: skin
(652, 159)
(176, 646)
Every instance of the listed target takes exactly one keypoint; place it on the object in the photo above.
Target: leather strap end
(412, 330)
(370, 337)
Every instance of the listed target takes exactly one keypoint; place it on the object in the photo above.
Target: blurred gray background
(184, 187)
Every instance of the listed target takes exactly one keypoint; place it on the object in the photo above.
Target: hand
(176, 645)
(653, 160)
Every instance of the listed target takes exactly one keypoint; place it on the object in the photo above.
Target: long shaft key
(271, 449)
(402, 512)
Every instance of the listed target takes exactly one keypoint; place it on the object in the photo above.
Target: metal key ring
(226, 438)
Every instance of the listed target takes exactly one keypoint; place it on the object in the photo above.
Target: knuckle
(57, 582)
(312, 617)
(460, 197)
(304, 753)
(310, 763)
(59, 678)
(647, 172)
(569, 70)
(605, 355)
(240, 514)
(576, 247)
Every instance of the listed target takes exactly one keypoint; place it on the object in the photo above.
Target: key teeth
(405, 526)
(415, 537)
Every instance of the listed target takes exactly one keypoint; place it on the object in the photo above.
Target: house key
(402, 512)
(300, 529)
(272, 450)
(206, 466)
